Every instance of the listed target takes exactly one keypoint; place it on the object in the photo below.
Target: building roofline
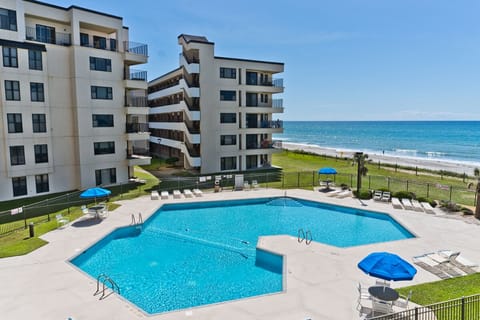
(22, 45)
(249, 60)
(187, 40)
(73, 7)
(165, 74)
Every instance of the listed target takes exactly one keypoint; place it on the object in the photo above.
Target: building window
(228, 163)
(113, 44)
(14, 121)
(19, 185)
(10, 58)
(17, 155)
(41, 153)
(99, 42)
(41, 183)
(229, 73)
(102, 120)
(36, 91)
(228, 140)
(228, 117)
(105, 176)
(84, 39)
(228, 95)
(12, 90)
(107, 147)
(8, 19)
(252, 78)
(101, 92)
(100, 64)
(35, 60)
(252, 99)
(45, 34)
(39, 124)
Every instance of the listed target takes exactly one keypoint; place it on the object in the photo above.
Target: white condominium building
(213, 113)
(73, 112)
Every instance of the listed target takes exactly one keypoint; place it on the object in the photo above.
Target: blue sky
(344, 59)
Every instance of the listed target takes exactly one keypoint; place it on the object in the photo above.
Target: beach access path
(432, 164)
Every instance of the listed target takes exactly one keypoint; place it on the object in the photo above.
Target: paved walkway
(320, 279)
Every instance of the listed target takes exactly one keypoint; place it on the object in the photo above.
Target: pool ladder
(104, 279)
(140, 219)
(307, 236)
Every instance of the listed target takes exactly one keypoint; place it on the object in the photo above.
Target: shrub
(171, 161)
(363, 194)
(466, 211)
(450, 206)
(404, 194)
(344, 186)
(433, 203)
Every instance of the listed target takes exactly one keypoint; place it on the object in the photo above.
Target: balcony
(138, 157)
(137, 131)
(135, 53)
(135, 79)
(48, 36)
(264, 144)
(271, 124)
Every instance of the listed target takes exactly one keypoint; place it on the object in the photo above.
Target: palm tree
(362, 170)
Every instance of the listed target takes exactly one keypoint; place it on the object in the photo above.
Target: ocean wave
(435, 154)
(410, 151)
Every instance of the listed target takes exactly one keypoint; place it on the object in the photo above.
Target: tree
(362, 170)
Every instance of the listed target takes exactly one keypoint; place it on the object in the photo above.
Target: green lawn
(444, 290)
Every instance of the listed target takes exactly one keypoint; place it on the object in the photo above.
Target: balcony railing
(136, 75)
(136, 48)
(60, 38)
(190, 59)
(102, 43)
(277, 103)
(136, 127)
(137, 152)
(264, 144)
(132, 101)
(272, 124)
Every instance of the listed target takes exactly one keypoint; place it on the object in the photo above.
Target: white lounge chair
(396, 203)
(164, 195)
(386, 196)
(430, 265)
(177, 194)
(377, 195)
(62, 221)
(417, 206)
(344, 194)
(407, 204)
(333, 193)
(455, 255)
(154, 195)
(197, 192)
(427, 207)
(188, 193)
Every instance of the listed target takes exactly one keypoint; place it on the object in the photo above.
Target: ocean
(442, 140)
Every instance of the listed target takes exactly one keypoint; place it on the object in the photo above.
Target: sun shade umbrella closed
(387, 266)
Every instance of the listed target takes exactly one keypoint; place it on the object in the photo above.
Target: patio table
(383, 293)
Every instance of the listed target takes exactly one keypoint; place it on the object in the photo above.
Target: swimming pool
(193, 254)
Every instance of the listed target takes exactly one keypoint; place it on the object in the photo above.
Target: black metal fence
(465, 308)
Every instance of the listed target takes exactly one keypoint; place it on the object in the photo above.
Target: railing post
(416, 313)
(407, 185)
(298, 179)
(351, 180)
(313, 179)
(463, 309)
(450, 193)
(428, 189)
(369, 182)
(388, 183)
(283, 180)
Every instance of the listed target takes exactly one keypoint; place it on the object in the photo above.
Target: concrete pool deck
(321, 280)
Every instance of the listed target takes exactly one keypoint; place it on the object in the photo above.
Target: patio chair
(425, 262)
(461, 263)
(382, 283)
(187, 193)
(417, 206)
(197, 192)
(363, 295)
(62, 221)
(246, 186)
(177, 194)
(254, 184)
(377, 195)
(407, 204)
(84, 209)
(386, 196)
(154, 195)
(402, 302)
(427, 207)
(396, 203)
(381, 307)
(164, 195)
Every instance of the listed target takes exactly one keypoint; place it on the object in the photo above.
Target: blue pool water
(189, 255)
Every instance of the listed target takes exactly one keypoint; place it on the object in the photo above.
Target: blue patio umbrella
(327, 170)
(387, 266)
(95, 193)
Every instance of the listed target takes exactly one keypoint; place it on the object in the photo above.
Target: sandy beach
(432, 164)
